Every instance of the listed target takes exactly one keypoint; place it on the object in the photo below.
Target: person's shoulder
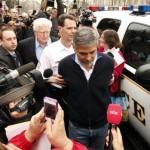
(68, 59)
(27, 40)
(53, 48)
(106, 59)
(2, 51)
(3, 64)
(54, 44)
(104, 56)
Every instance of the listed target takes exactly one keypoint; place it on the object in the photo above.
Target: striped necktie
(16, 60)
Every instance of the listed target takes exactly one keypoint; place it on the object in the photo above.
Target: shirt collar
(37, 44)
(11, 53)
(79, 63)
(63, 47)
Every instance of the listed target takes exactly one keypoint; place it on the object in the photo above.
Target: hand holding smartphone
(50, 107)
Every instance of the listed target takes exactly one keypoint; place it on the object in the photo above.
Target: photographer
(16, 100)
(87, 18)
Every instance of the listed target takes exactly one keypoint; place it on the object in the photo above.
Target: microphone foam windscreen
(114, 114)
(47, 73)
(26, 68)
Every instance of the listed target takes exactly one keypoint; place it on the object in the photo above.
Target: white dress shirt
(52, 55)
(39, 49)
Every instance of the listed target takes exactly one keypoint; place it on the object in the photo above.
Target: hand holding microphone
(114, 117)
(55, 80)
(117, 139)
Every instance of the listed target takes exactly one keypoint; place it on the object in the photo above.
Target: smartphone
(50, 107)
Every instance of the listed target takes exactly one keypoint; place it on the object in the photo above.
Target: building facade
(111, 2)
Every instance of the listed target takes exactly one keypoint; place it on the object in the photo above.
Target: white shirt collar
(63, 47)
(37, 44)
(11, 53)
(87, 73)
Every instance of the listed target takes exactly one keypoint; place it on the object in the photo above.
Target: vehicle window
(108, 23)
(136, 45)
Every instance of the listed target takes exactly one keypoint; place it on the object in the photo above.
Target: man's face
(9, 40)
(86, 54)
(14, 14)
(53, 13)
(68, 30)
(42, 35)
(102, 43)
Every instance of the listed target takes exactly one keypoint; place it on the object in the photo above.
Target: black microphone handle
(110, 145)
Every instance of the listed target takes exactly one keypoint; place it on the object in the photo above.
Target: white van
(134, 32)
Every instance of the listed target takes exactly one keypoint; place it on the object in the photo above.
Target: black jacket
(27, 50)
(87, 101)
(7, 59)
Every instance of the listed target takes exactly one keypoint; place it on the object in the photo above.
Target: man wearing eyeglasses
(31, 48)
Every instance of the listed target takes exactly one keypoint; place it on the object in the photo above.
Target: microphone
(114, 114)
(17, 72)
(47, 73)
(114, 117)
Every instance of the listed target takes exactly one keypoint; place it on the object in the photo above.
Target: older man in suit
(31, 48)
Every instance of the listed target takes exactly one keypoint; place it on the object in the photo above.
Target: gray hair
(85, 36)
(40, 22)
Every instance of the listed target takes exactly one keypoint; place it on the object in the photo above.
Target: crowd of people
(85, 67)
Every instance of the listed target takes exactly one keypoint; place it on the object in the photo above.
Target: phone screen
(50, 107)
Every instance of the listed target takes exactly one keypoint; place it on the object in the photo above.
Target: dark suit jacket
(6, 58)
(27, 50)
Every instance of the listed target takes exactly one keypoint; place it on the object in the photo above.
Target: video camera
(17, 94)
(87, 18)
